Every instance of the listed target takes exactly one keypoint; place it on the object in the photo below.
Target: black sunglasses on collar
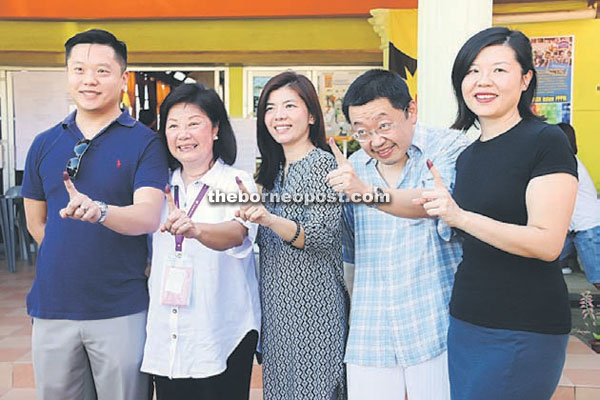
(74, 163)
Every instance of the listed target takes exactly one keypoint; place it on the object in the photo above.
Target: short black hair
(519, 43)
(376, 84)
(99, 36)
(211, 104)
(570, 132)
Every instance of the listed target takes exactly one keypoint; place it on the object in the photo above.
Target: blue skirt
(498, 364)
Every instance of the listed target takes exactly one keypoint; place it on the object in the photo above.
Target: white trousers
(425, 381)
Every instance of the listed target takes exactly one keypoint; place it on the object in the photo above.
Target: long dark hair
(272, 152)
(520, 44)
(210, 103)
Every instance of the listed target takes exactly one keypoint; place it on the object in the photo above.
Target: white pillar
(444, 26)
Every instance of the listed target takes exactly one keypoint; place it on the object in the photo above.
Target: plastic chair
(7, 225)
(13, 192)
(13, 208)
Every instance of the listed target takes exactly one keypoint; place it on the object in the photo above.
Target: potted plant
(591, 318)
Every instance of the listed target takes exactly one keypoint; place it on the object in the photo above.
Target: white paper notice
(245, 136)
(41, 101)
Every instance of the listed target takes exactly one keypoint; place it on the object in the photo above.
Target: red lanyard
(191, 211)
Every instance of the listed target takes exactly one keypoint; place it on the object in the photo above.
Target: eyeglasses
(364, 135)
(74, 163)
(384, 128)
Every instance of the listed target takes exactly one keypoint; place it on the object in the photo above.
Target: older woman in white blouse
(204, 314)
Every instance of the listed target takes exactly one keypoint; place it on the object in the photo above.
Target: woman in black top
(513, 199)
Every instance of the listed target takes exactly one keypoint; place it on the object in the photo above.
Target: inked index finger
(437, 178)
(71, 190)
(241, 185)
(170, 201)
(339, 156)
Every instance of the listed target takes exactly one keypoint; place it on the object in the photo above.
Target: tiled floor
(580, 380)
(16, 375)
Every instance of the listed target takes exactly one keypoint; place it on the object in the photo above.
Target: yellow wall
(586, 84)
(539, 6)
(236, 43)
(236, 91)
(306, 41)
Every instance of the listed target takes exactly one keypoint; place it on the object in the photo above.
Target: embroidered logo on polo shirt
(118, 163)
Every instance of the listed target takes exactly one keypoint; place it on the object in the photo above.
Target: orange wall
(182, 9)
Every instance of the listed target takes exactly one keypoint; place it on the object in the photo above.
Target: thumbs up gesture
(439, 202)
(344, 178)
(178, 222)
(80, 206)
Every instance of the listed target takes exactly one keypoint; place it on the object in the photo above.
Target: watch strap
(377, 193)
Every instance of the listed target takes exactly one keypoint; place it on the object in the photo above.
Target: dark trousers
(232, 384)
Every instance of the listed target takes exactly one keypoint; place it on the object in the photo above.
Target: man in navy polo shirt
(89, 297)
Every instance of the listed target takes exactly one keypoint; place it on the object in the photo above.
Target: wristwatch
(103, 209)
(378, 193)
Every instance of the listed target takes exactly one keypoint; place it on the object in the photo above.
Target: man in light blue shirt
(404, 260)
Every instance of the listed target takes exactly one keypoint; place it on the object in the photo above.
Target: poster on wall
(258, 83)
(258, 79)
(332, 86)
(553, 61)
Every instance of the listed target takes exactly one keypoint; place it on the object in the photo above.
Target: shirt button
(174, 311)
(173, 336)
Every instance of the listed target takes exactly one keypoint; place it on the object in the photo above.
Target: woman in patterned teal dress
(303, 296)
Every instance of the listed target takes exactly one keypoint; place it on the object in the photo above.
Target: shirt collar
(69, 119)
(419, 140)
(124, 119)
(212, 177)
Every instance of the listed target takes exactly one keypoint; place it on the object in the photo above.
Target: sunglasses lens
(73, 163)
(81, 147)
(72, 167)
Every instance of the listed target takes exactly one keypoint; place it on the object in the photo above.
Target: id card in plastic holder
(177, 282)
